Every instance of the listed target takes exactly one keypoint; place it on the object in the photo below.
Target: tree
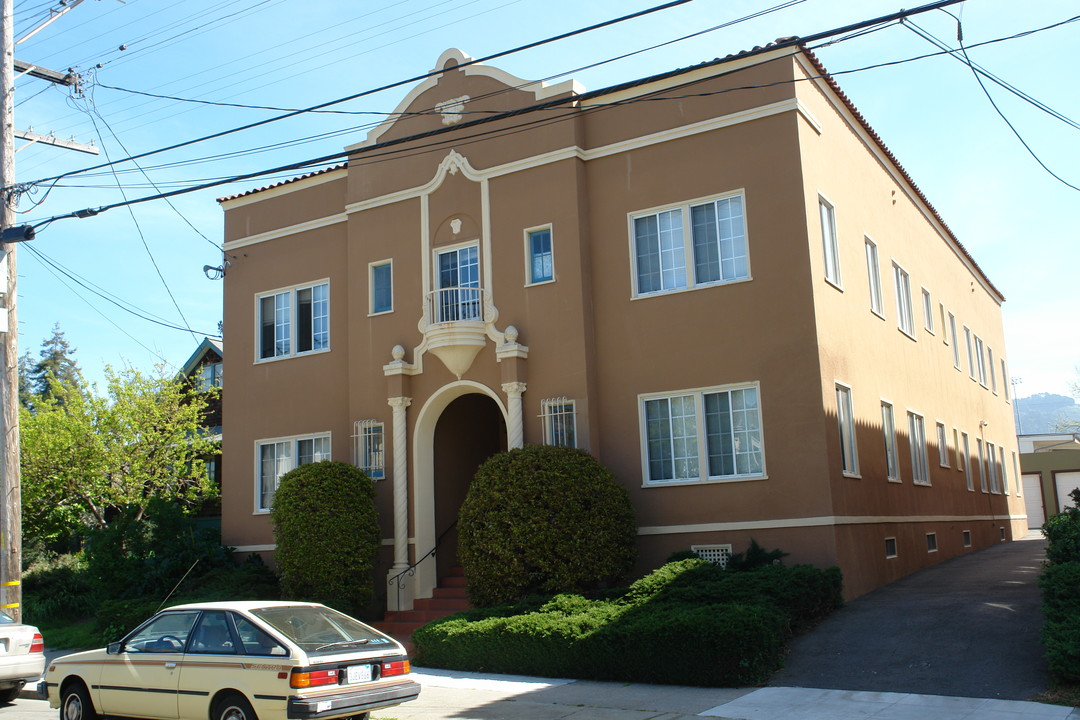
(88, 459)
(55, 361)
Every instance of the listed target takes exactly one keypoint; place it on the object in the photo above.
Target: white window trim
(293, 439)
(944, 324)
(980, 360)
(716, 554)
(966, 535)
(873, 273)
(703, 477)
(969, 472)
(1017, 478)
(1005, 382)
(961, 461)
(920, 452)
(928, 311)
(895, 548)
(955, 341)
(688, 244)
(830, 242)
(931, 542)
(528, 255)
(990, 366)
(371, 287)
(291, 289)
(905, 312)
(970, 352)
(982, 465)
(943, 444)
(845, 413)
(361, 428)
(892, 474)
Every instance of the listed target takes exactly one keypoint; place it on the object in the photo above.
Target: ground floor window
(368, 449)
(560, 427)
(699, 435)
(276, 457)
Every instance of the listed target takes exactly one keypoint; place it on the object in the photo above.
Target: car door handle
(170, 665)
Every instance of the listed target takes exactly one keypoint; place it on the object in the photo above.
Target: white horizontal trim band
(825, 521)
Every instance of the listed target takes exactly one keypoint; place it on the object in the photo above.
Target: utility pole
(10, 480)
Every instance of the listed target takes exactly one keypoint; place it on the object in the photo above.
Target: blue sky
(1013, 216)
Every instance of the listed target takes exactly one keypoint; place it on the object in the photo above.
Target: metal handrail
(411, 569)
(456, 304)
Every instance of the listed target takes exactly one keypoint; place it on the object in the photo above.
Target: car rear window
(320, 630)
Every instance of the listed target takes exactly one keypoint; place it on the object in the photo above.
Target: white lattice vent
(716, 554)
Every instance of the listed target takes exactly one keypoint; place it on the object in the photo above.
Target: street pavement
(958, 641)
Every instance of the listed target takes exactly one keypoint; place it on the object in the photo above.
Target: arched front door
(469, 431)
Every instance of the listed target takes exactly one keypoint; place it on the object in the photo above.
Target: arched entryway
(456, 429)
(470, 430)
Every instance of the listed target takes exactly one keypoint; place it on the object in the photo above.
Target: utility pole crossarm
(69, 78)
(34, 137)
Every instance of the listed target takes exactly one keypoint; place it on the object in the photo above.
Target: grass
(66, 635)
(1068, 695)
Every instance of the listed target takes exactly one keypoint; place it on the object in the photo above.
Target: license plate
(358, 673)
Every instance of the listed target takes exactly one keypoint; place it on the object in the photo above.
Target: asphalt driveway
(967, 627)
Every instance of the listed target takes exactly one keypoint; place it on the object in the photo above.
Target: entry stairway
(448, 598)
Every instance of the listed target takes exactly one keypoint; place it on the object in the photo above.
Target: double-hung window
(920, 462)
(294, 321)
(942, 445)
(845, 413)
(829, 242)
(382, 286)
(955, 341)
(980, 360)
(928, 311)
(560, 427)
(541, 259)
(888, 427)
(700, 435)
(277, 457)
(697, 244)
(970, 352)
(904, 315)
(873, 274)
(968, 472)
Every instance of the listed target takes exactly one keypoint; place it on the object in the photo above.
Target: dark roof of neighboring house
(207, 345)
(760, 49)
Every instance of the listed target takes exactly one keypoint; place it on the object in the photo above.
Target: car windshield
(319, 629)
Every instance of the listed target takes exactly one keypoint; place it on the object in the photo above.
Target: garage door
(1033, 500)
(1066, 482)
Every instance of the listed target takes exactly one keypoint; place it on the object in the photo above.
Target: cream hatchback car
(236, 661)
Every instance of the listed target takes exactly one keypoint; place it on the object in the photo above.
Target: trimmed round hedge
(327, 533)
(543, 519)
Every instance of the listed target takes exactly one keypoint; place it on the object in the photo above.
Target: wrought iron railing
(456, 304)
(410, 571)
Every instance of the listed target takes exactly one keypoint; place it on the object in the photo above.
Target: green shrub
(1060, 585)
(327, 532)
(1062, 532)
(689, 622)
(543, 519)
(56, 590)
(117, 617)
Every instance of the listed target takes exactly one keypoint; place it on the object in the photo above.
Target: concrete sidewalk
(451, 695)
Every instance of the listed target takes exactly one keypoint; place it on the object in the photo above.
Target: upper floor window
(702, 435)
(458, 297)
(980, 360)
(277, 457)
(920, 462)
(712, 234)
(541, 259)
(829, 242)
(873, 273)
(210, 376)
(970, 352)
(382, 287)
(368, 451)
(955, 341)
(888, 427)
(904, 314)
(928, 311)
(294, 321)
(560, 427)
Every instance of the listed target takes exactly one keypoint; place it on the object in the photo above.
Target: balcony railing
(456, 304)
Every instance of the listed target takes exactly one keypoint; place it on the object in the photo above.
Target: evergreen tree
(55, 362)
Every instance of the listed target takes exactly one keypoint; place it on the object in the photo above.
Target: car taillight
(395, 668)
(313, 678)
(37, 645)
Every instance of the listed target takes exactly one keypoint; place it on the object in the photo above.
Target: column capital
(514, 388)
(399, 402)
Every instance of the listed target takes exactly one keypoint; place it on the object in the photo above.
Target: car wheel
(75, 703)
(8, 695)
(233, 707)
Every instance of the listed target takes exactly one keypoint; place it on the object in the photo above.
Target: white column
(400, 598)
(515, 431)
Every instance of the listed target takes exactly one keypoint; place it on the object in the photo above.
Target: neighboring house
(1050, 465)
(717, 280)
(204, 370)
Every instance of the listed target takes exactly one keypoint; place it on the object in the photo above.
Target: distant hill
(1044, 412)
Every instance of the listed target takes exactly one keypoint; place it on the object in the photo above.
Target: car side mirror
(114, 648)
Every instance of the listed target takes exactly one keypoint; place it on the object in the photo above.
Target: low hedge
(687, 623)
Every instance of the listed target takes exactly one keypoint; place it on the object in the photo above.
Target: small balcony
(455, 328)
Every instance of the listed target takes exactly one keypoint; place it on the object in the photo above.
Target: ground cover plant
(689, 622)
(1060, 585)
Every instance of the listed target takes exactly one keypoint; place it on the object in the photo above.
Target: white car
(236, 661)
(22, 657)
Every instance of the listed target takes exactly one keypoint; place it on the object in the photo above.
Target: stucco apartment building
(717, 280)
